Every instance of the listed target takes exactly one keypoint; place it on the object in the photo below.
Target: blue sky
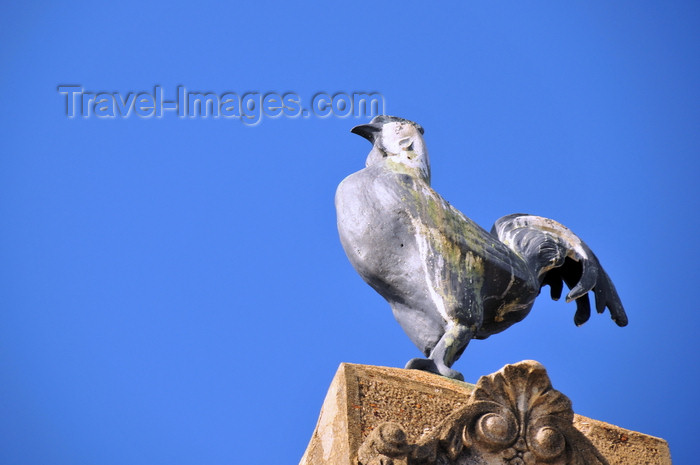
(173, 290)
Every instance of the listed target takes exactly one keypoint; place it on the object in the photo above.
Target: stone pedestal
(382, 416)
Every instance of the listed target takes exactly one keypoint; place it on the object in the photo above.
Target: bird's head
(398, 143)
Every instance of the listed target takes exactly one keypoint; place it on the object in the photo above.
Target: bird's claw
(423, 364)
(426, 364)
(450, 373)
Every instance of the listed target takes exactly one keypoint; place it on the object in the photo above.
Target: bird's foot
(450, 373)
(423, 364)
(426, 364)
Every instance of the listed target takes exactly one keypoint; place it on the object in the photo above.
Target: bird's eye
(406, 143)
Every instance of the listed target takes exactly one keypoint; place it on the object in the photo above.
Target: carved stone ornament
(513, 417)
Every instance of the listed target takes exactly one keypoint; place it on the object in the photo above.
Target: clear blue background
(173, 291)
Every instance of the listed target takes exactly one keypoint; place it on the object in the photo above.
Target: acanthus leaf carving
(513, 417)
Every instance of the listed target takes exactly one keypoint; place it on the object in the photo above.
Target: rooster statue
(447, 280)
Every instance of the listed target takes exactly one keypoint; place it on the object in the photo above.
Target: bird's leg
(449, 348)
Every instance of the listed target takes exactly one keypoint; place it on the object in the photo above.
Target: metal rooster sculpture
(447, 280)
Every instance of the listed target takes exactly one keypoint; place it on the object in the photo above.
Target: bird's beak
(368, 131)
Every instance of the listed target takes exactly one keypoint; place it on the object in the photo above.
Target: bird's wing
(558, 256)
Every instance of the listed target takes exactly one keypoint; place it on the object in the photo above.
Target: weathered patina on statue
(447, 280)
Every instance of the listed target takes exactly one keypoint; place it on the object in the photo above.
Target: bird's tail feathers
(555, 255)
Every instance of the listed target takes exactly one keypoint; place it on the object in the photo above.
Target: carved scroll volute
(384, 445)
(514, 417)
